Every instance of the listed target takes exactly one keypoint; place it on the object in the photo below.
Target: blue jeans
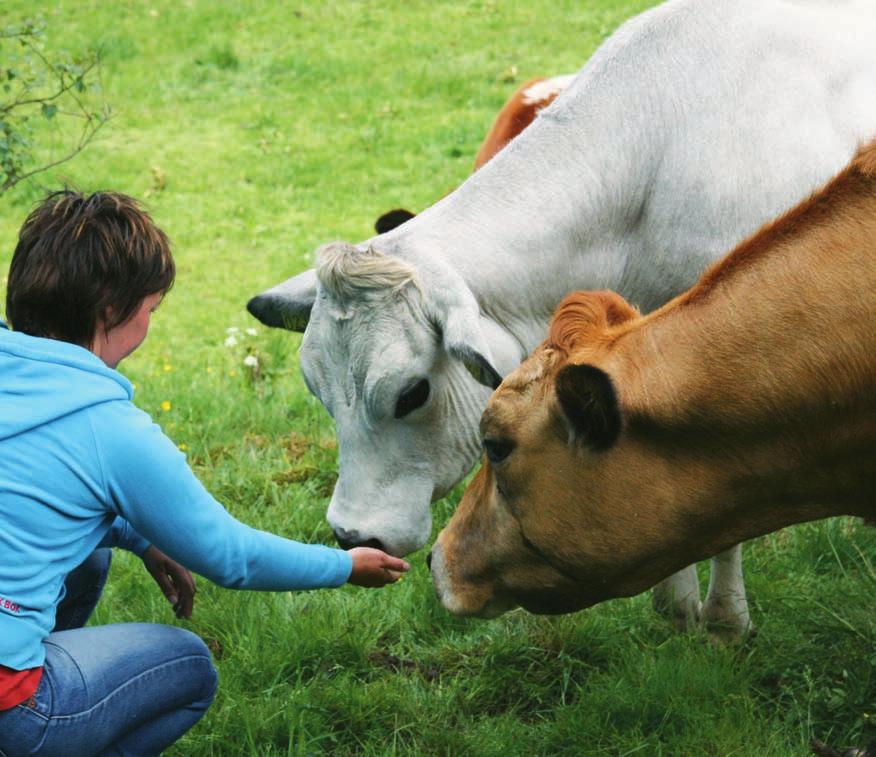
(125, 689)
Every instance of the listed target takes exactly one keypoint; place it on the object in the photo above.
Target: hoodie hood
(42, 380)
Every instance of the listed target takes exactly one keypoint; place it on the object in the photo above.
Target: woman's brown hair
(84, 258)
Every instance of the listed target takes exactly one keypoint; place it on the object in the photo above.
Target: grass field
(256, 131)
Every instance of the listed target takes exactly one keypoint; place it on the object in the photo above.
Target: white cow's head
(389, 355)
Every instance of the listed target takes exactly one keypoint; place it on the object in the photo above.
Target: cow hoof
(823, 750)
(727, 623)
(683, 614)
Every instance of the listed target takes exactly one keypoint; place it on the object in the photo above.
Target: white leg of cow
(725, 611)
(678, 598)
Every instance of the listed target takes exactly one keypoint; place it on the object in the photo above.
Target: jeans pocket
(23, 728)
(40, 703)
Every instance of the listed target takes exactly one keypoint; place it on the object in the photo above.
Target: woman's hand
(175, 581)
(374, 568)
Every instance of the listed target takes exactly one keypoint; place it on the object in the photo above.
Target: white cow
(691, 126)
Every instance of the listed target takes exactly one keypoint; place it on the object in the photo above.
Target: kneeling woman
(83, 469)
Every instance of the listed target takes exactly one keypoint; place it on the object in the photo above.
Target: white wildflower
(231, 341)
(251, 361)
(232, 330)
(252, 332)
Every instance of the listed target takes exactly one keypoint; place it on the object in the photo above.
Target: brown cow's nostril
(429, 560)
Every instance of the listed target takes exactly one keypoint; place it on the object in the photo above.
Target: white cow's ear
(287, 305)
(464, 340)
(589, 405)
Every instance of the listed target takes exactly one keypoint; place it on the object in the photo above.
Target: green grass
(256, 131)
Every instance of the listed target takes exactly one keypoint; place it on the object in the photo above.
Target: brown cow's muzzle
(460, 597)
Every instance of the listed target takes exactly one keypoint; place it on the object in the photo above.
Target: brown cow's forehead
(536, 370)
(526, 386)
(531, 369)
(508, 414)
(492, 420)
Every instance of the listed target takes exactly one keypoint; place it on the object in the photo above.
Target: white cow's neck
(505, 235)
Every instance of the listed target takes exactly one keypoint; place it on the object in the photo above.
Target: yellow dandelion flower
(168, 367)
(182, 446)
(209, 369)
(232, 373)
(165, 405)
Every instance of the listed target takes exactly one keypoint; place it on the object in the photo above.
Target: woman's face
(115, 345)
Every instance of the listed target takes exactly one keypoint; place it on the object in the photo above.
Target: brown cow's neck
(762, 378)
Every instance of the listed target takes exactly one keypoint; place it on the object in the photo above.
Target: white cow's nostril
(346, 539)
(349, 539)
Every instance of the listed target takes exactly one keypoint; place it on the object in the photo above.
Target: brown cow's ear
(589, 404)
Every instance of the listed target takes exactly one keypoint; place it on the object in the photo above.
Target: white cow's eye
(413, 398)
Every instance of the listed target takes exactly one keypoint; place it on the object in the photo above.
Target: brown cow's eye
(497, 449)
(413, 398)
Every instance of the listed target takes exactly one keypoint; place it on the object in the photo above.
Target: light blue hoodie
(79, 462)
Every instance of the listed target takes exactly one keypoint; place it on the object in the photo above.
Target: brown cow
(515, 116)
(627, 447)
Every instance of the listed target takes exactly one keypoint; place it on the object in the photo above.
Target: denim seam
(31, 711)
(129, 682)
(72, 660)
(51, 686)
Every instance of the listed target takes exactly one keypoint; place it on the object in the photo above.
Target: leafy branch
(37, 85)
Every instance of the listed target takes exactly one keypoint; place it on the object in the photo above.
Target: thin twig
(83, 141)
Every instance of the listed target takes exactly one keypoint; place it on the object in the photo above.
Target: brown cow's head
(535, 527)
